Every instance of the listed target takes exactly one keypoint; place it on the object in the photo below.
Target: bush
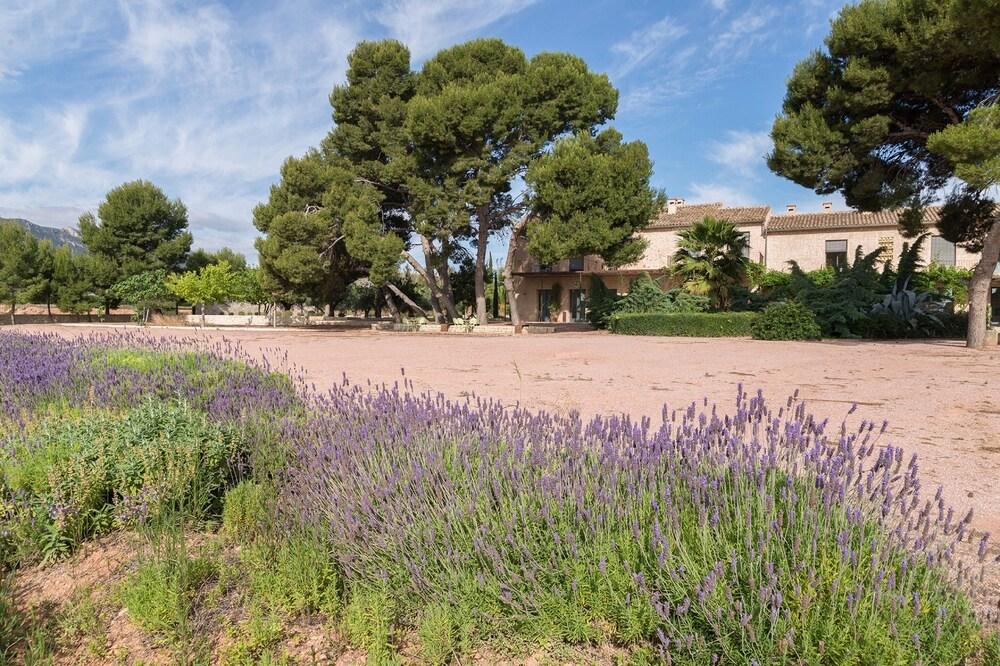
(786, 321)
(644, 295)
(80, 475)
(602, 302)
(293, 576)
(247, 511)
(159, 596)
(701, 324)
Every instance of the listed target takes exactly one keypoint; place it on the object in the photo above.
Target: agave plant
(910, 307)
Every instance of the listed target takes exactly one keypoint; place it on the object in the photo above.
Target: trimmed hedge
(689, 324)
(789, 320)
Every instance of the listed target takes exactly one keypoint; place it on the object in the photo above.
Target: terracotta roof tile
(843, 220)
(688, 214)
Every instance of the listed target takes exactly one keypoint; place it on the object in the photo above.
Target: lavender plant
(758, 536)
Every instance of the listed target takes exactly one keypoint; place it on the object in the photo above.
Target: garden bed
(431, 530)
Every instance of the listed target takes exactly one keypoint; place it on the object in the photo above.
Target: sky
(206, 99)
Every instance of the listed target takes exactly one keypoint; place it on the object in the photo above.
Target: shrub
(247, 511)
(601, 303)
(701, 324)
(789, 320)
(645, 295)
(295, 575)
(81, 475)
(159, 596)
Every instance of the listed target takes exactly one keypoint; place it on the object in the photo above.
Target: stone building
(558, 292)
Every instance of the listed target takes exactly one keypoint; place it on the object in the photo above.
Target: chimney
(827, 206)
(672, 205)
(790, 209)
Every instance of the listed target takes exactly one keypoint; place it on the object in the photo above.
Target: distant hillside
(57, 236)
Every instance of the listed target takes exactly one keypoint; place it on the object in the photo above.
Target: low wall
(64, 319)
(229, 320)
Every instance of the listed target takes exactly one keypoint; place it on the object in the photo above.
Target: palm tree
(710, 259)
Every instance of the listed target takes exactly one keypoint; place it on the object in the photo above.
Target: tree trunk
(406, 299)
(437, 265)
(508, 270)
(393, 308)
(443, 268)
(431, 285)
(483, 213)
(13, 305)
(979, 288)
(203, 315)
(48, 306)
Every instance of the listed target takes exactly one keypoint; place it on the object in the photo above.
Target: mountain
(58, 237)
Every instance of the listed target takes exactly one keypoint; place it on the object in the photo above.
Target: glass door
(544, 301)
(578, 304)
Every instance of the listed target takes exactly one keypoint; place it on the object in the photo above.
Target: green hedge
(691, 324)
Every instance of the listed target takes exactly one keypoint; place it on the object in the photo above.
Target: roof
(688, 214)
(843, 220)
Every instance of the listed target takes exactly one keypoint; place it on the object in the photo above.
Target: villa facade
(558, 292)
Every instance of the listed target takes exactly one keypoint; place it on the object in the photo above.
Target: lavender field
(393, 527)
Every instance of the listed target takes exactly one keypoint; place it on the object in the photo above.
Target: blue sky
(206, 99)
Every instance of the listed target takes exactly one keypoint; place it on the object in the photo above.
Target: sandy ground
(941, 400)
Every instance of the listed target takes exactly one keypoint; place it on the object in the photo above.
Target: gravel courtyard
(941, 400)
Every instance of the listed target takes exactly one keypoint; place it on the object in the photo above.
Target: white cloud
(720, 192)
(426, 26)
(719, 4)
(742, 152)
(643, 44)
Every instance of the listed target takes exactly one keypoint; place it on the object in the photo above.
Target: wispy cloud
(200, 98)
(646, 42)
(720, 192)
(699, 58)
(428, 26)
(742, 152)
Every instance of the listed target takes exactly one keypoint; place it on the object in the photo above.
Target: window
(942, 251)
(578, 304)
(576, 264)
(544, 268)
(746, 246)
(544, 303)
(836, 253)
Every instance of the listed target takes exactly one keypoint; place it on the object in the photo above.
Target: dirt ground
(941, 400)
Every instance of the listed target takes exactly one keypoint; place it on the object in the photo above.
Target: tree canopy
(18, 254)
(423, 159)
(137, 229)
(589, 196)
(861, 116)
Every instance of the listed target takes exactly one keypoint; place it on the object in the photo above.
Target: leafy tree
(200, 258)
(301, 258)
(892, 109)
(137, 229)
(710, 259)
(945, 281)
(43, 284)
(71, 275)
(424, 160)
(18, 253)
(248, 287)
(215, 283)
(589, 196)
(482, 114)
(144, 291)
